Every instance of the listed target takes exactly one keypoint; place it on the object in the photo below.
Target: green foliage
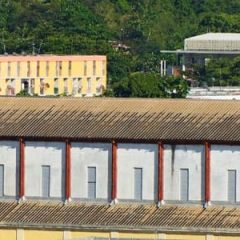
(92, 26)
(150, 85)
(218, 72)
(23, 93)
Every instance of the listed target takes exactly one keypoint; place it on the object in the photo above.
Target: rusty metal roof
(116, 119)
(132, 217)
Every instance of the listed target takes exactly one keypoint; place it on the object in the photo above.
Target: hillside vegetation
(130, 32)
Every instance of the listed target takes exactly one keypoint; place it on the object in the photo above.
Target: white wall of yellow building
(21, 234)
(77, 71)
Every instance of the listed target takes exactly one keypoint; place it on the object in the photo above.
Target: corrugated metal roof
(214, 42)
(127, 119)
(216, 36)
(119, 217)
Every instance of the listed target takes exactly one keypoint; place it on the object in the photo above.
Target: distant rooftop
(216, 36)
(213, 42)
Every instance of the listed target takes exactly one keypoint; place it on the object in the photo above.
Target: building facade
(217, 93)
(45, 75)
(199, 50)
(107, 168)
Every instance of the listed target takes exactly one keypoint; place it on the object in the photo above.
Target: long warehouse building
(119, 169)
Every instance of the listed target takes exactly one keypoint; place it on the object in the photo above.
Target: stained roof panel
(110, 118)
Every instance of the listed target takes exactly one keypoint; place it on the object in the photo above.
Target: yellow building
(46, 75)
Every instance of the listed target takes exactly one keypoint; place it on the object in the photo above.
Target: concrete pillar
(20, 234)
(209, 237)
(161, 236)
(114, 235)
(67, 235)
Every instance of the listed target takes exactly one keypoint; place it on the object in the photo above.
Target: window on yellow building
(99, 85)
(38, 68)
(42, 86)
(18, 69)
(13, 85)
(70, 68)
(89, 84)
(9, 69)
(94, 68)
(57, 69)
(75, 86)
(28, 69)
(47, 68)
(103, 67)
(32, 86)
(10, 90)
(85, 68)
(60, 68)
(79, 85)
(65, 86)
(56, 90)
(25, 85)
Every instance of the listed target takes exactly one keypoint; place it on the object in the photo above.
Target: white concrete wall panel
(9, 157)
(224, 158)
(84, 155)
(189, 157)
(130, 156)
(38, 154)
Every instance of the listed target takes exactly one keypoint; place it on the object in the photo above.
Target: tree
(150, 85)
(218, 72)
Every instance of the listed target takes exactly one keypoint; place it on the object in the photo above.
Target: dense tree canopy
(150, 85)
(218, 72)
(141, 28)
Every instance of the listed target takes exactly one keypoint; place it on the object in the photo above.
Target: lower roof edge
(133, 229)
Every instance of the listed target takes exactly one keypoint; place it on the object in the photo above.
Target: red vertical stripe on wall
(22, 168)
(68, 170)
(160, 172)
(207, 172)
(114, 171)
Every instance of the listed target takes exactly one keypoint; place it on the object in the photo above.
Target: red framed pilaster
(114, 171)
(207, 173)
(68, 171)
(160, 173)
(22, 169)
